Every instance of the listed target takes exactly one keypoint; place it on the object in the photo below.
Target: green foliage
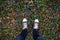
(11, 15)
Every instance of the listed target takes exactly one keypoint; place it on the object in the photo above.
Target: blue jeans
(23, 35)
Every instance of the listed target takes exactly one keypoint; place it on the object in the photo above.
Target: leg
(21, 36)
(36, 35)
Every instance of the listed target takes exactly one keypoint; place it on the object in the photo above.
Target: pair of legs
(24, 32)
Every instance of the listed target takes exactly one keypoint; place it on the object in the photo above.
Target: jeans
(23, 35)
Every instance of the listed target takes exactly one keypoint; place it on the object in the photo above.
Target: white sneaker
(36, 21)
(24, 23)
